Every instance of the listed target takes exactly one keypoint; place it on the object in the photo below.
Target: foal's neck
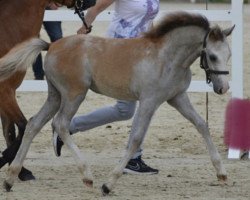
(185, 44)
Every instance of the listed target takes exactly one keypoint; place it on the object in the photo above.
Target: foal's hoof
(7, 186)
(26, 175)
(222, 177)
(88, 183)
(105, 190)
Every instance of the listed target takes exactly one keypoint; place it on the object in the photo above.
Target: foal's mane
(176, 20)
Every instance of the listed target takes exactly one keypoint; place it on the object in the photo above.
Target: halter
(80, 6)
(204, 64)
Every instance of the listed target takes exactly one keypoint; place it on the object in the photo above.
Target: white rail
(234, 15)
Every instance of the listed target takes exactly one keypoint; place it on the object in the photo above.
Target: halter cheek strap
(204, 64)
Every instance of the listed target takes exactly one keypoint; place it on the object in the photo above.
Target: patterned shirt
(132, 17)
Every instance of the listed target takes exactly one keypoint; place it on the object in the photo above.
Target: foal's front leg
(183, 105)
(140, 125)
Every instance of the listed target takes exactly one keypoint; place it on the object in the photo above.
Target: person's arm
(92, 13)
(53, 5)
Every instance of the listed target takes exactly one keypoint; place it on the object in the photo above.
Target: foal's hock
(152, 69)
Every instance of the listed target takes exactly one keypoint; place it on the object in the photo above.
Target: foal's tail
(21, 57)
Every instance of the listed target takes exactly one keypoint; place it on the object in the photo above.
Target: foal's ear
(228, 31)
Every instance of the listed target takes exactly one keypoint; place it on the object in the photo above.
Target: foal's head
(215, 56)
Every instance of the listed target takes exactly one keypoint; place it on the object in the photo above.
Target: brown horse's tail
(21, 57)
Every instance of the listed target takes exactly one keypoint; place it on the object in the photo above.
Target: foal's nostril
(220, 91)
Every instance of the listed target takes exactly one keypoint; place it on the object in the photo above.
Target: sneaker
(57, 143)
(138, 166)
(244, 155)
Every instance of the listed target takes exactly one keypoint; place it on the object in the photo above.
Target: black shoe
(57, 143)
(138, 166)
(2, 162)
(244, 155)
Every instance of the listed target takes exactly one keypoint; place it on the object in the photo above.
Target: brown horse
(16, 19)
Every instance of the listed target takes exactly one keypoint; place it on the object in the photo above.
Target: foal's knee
(201, 126)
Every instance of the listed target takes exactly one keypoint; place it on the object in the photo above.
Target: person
(131, 18)
(54, 31)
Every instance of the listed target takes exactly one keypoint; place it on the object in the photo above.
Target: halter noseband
(204, 64)
(80, 6)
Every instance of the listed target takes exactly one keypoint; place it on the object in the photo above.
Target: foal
(152, 69)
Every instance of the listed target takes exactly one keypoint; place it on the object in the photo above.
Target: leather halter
(204, 64)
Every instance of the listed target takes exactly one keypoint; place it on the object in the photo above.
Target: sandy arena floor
(172, 145)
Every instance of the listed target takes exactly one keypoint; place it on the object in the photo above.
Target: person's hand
(84, 30)
(54, 6)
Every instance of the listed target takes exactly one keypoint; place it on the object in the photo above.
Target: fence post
(237, 59)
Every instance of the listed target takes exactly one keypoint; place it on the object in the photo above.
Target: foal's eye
(213, 58)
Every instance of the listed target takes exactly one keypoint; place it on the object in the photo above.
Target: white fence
(234, 15)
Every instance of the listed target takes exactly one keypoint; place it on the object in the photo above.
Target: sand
(172, 145)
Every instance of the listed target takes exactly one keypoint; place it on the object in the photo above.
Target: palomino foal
(152, 69)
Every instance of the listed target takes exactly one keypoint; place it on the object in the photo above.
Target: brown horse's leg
(9, 134)
(9, 131)
(11, 114)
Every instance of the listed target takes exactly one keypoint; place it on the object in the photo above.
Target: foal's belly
(116, 91)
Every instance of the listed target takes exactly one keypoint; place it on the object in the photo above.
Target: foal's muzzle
(221, 90)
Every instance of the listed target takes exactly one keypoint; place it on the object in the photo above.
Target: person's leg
(122, 110)
(38, 68)
(54, 30)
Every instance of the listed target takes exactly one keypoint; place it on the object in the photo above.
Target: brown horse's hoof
(222, 177)
(2, 162)
(26, 175)
(7, 186)
(88, 183)
(105, 190)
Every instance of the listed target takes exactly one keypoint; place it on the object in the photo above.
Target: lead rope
(207, 92)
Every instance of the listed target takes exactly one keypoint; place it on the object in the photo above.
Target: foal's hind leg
(183, 105)
(140, 125)
(61, 126)
(34, 125)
